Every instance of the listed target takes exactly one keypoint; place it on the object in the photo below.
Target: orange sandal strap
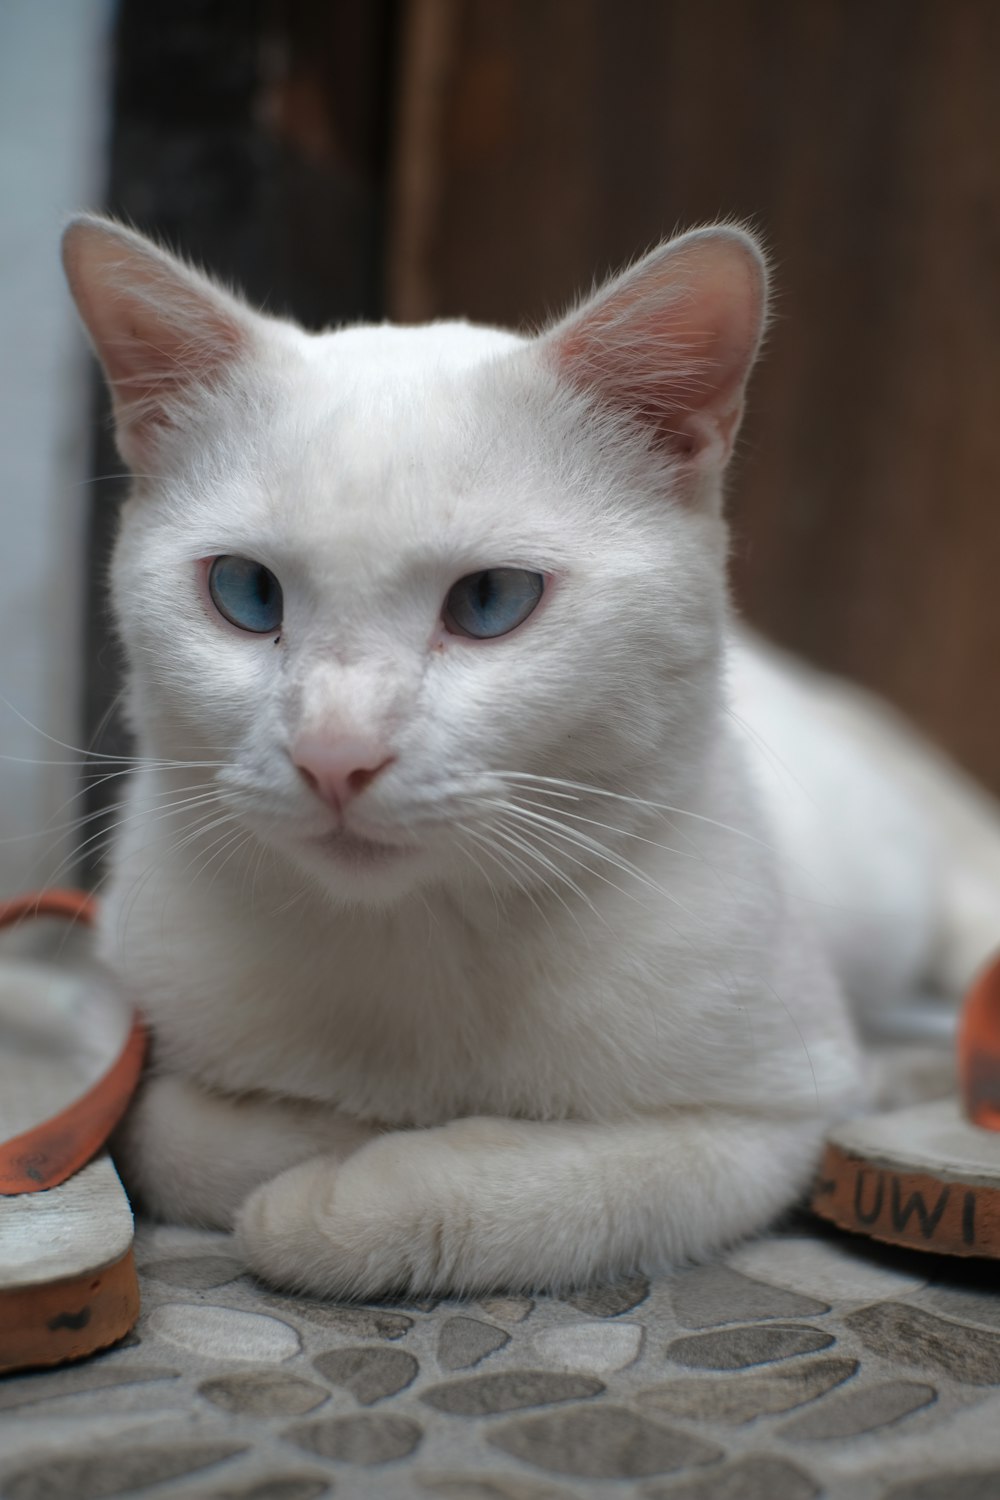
(52, 1151)
(979, 1049)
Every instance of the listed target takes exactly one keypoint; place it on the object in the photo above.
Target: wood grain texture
(67, 1320)
(544, 142)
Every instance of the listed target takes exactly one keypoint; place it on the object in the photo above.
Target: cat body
(473, 960)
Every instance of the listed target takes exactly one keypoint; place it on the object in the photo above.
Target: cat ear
(672, 340)
(160, 329)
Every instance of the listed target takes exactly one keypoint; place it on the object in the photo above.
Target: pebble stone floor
(807, 1364)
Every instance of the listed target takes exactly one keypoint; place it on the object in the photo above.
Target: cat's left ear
(671, 342)
(160, 329)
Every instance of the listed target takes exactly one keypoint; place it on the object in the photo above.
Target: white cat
(482, 942)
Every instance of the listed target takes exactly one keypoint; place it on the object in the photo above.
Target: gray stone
(366, 1439)
(487, 1487)
(965, 1304)
(210, 1328)
(264, 1393)
(710, 1295)
(611, 1301)
(742, 1398)
(352, 1322)
(507, 1309)
(369, 1374)
(862, 1409)
(464, 1342)
(598, 1346)
(483, 1395)
(94, 1474)
(101, 1375)
(601, 1442)
(910, 1336)
(758, 1477)
(199, 1273)
(966, 1484)
(738, 1348)
(281, 1487)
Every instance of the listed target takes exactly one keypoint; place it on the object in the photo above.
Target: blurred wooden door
(538, 142)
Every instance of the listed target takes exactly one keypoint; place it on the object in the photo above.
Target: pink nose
(338, 770)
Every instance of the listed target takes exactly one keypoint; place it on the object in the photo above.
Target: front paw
(328, 1228)
(416, 1212)
(276, 1225)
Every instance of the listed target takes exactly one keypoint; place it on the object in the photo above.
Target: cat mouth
(358, 851)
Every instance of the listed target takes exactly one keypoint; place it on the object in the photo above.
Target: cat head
(412, 588)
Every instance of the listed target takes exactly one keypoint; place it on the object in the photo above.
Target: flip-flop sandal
(928, 1176)
(70, 1057)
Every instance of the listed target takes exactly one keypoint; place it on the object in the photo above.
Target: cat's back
(823, 755)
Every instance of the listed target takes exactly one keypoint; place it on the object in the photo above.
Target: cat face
(399, 583)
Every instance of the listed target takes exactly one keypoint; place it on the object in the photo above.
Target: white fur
(515, 1056)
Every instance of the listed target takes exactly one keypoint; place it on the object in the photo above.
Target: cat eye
(246, 594)
(492, 602)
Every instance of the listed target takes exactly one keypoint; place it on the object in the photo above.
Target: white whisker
(527, 828)
(533, 853)
(584, 789)
(593, 846)
(502, 856)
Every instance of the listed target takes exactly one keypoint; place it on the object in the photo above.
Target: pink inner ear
(161, 348)
(672, 341)
(158, 327)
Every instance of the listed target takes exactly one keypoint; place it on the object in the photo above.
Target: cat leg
(190, 1156)
(516, 1204)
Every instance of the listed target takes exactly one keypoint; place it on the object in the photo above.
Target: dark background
(345, 159)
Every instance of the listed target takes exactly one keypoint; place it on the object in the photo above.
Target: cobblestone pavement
(807, 1364)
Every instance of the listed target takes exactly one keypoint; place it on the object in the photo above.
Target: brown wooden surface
(59, 1321)
(925, 1211)
(538, 142)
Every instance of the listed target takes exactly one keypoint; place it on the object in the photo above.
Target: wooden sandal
(68, 1284)
(928, 1176)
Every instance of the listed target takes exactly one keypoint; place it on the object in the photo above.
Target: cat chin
(354, 871)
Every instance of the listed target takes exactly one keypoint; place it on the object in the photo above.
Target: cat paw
(388, 1220)
(322, 1229)
(278, 1222)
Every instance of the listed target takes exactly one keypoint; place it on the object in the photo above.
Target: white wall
(53, 112)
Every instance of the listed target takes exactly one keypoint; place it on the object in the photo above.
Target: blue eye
(491, 603)
(246, 593)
